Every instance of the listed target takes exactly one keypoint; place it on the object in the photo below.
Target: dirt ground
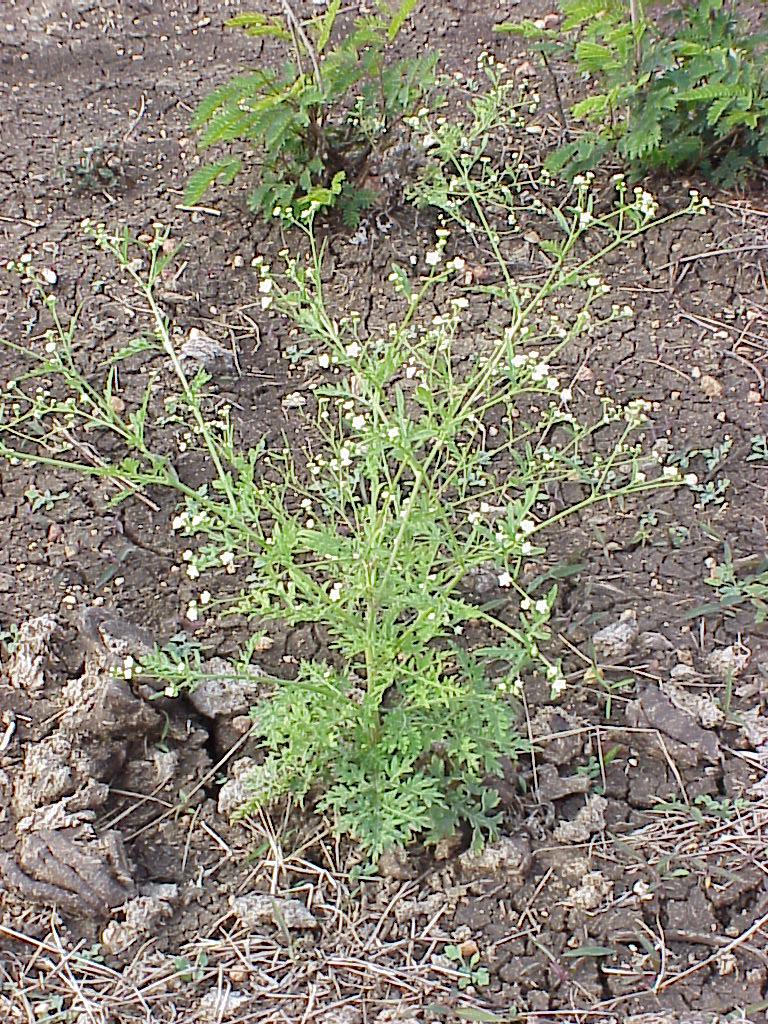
(631, 882)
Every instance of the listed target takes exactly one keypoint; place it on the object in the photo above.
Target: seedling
(469, 972)
(45, 499)
(758, 449)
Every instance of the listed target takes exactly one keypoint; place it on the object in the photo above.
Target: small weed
(9, 638)
(469, 972)
(595, 767)
(646, 528)
(713, 457)
(595, 676)
(708, 491)
(191, 971)
(758, 449)
(703, 807)
(320, 121)
(735, 590)
(44, 499)
(678, 534)
(681, 87)
(96, 168)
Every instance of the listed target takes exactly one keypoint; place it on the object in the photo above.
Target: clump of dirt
(55, 851)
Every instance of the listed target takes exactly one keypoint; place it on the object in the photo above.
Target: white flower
(542, 607)
(192, 571)
(670, 472)
(324, 361)
(227, 558)
(432, 258)
(345, 457)
(334, 594)
(49, 276)
(192, 611)
(353, 350)
(557, 687)
(393, 433)
(527, 526)
(505, 580)
(358, 422)
(461, 302)
(566, 395)
(690, 479)
(266, 285)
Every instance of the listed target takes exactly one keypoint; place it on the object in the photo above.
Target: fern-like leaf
(201, 181)
(240, 87)
(260, 25)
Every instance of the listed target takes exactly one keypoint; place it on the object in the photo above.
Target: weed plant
(320, 121)
(424, 472)
(679, 87)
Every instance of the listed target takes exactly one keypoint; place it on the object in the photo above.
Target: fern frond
(260, 25)
(240, 87)
(201, 180)
(399, 18)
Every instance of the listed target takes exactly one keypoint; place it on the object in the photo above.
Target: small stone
(394, 864)
(729, 662)
(615, 641)
(256, 909)
(509, 856)
(589, 820)
(711, 387)
(223, 693)
(206, 352)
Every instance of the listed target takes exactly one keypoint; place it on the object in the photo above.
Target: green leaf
(260, 25)
(706, 93)
(590, 951)
(595, 107)
(201, 180)
(326, 25)
(399, 18)
(239, 87)
(473, 1013)
(595, 58)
